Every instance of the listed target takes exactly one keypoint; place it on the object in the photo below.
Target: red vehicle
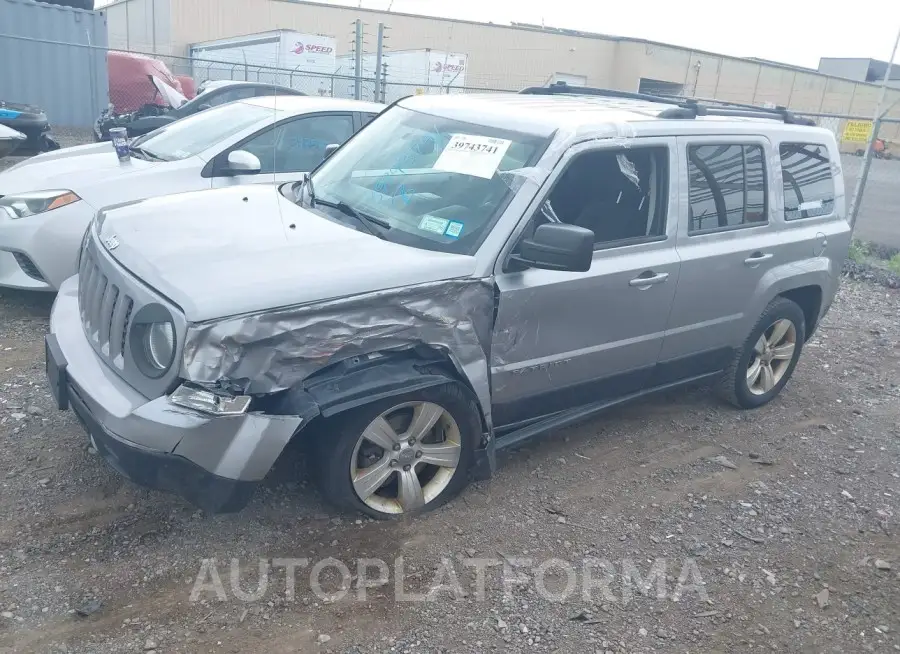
(188, 86)
(130, 85)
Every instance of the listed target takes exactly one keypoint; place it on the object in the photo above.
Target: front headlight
(159, 344)
(22, 205)
(153, 343)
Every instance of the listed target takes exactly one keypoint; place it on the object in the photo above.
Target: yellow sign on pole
(857, 131)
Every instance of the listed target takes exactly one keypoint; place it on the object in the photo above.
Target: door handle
(757, 258)
(648, 279)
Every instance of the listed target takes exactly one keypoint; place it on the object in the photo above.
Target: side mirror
(330, 148)
(241, 162)
(557, 246)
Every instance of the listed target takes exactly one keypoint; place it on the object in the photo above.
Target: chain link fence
(877, 221)
(131, 86)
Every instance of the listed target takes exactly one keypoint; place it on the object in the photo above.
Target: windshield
(192, 135)
(435, 181)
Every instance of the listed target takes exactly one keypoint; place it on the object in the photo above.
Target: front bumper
(213, 462)
(39, 252)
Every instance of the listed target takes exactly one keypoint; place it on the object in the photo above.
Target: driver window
(619, 194)
(298, 145)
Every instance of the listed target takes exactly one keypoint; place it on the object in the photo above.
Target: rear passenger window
(727, 187)
(808, 181)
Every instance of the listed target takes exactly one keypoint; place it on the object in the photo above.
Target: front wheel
(767, 359)
(401, 456)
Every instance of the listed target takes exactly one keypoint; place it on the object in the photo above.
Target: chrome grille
(105, 309)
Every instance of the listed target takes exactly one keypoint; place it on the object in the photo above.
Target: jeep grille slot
(104, 309)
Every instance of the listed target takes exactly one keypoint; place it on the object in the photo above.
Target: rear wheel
(768, 357)
(402, 456)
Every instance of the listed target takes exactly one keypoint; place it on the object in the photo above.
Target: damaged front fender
(271, 351)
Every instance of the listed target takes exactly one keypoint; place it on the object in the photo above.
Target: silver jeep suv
(464, 273)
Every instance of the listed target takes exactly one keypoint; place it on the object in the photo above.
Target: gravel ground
(788, 515)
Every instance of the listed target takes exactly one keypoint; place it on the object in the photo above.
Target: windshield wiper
(145, 153)
(363, 219)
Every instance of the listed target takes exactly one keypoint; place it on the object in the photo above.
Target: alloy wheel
(405, 457)
(771, 357)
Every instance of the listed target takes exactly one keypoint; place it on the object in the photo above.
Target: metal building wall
(141, 26)
(54, 57)
(506, 57)
(499, 56)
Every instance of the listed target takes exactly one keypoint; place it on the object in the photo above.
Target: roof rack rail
(740, 109)
(561, 88)
(683, 109)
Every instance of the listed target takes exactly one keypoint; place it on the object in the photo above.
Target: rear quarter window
(808, 180)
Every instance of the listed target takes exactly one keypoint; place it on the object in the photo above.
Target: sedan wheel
(406, 457)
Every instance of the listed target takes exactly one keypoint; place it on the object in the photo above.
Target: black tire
(336, 440)
(733, 386)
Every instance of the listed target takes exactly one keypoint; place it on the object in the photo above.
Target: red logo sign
(448, 68)
(299, 48)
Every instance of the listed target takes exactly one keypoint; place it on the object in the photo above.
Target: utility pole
(357, 87)
(856, 201)
(379, 54)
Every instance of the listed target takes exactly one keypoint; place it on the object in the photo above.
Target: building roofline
(526, 27)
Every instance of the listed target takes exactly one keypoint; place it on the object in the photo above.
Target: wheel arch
(810, 283)
(358, 381)
(809, 299)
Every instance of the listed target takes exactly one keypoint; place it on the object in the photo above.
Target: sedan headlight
(22, 205)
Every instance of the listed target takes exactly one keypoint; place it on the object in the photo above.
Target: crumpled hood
(91, 171)
(224, 252)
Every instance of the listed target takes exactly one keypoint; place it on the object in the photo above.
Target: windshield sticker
(469, 154)
(454, 229)
(433, 224)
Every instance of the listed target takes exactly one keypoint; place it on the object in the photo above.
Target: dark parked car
(30, 121)
(151, 117)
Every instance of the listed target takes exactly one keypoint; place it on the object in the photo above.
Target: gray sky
(792, 31)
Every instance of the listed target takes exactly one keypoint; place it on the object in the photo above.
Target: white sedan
(46, 202)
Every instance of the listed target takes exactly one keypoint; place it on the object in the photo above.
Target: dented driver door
(568, 339)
